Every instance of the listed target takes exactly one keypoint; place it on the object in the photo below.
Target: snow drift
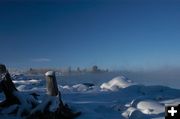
(117, 83)
(118, 98)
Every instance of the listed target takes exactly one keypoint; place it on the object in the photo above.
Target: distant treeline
(66, 71)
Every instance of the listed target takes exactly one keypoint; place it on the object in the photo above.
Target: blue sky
(111, 34)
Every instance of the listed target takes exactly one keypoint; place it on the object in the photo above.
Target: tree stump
(24, 102)
(63, 111)
(52, 87)
(51, 84)
(52, 107)
(8, 87)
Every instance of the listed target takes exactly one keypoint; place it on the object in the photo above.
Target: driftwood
(27, 106)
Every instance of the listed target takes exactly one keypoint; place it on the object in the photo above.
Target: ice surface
(116, 98)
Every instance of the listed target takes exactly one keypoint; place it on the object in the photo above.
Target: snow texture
(117, 83)
(50, 73)
(118, 98)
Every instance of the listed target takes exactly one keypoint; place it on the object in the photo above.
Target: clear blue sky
(111, 34)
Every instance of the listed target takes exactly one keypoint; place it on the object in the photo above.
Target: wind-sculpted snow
(117, 83)
(118, 98)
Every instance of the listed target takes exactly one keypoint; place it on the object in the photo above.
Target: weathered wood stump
(52, 87)
(8, 87)
(53, 106)
(21, 102)
(61, 111)
(51, 84)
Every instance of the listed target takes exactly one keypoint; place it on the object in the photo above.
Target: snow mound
(78, 88)
(145, 109)
(30, 85)
(117, 83)
(150, 107)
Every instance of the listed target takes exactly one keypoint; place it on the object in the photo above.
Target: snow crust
(118, 98)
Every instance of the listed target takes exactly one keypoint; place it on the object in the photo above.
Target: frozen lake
(170, 79)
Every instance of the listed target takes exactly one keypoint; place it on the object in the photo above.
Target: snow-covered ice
(116, 98)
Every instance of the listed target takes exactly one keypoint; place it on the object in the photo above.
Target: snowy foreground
(118, 98)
